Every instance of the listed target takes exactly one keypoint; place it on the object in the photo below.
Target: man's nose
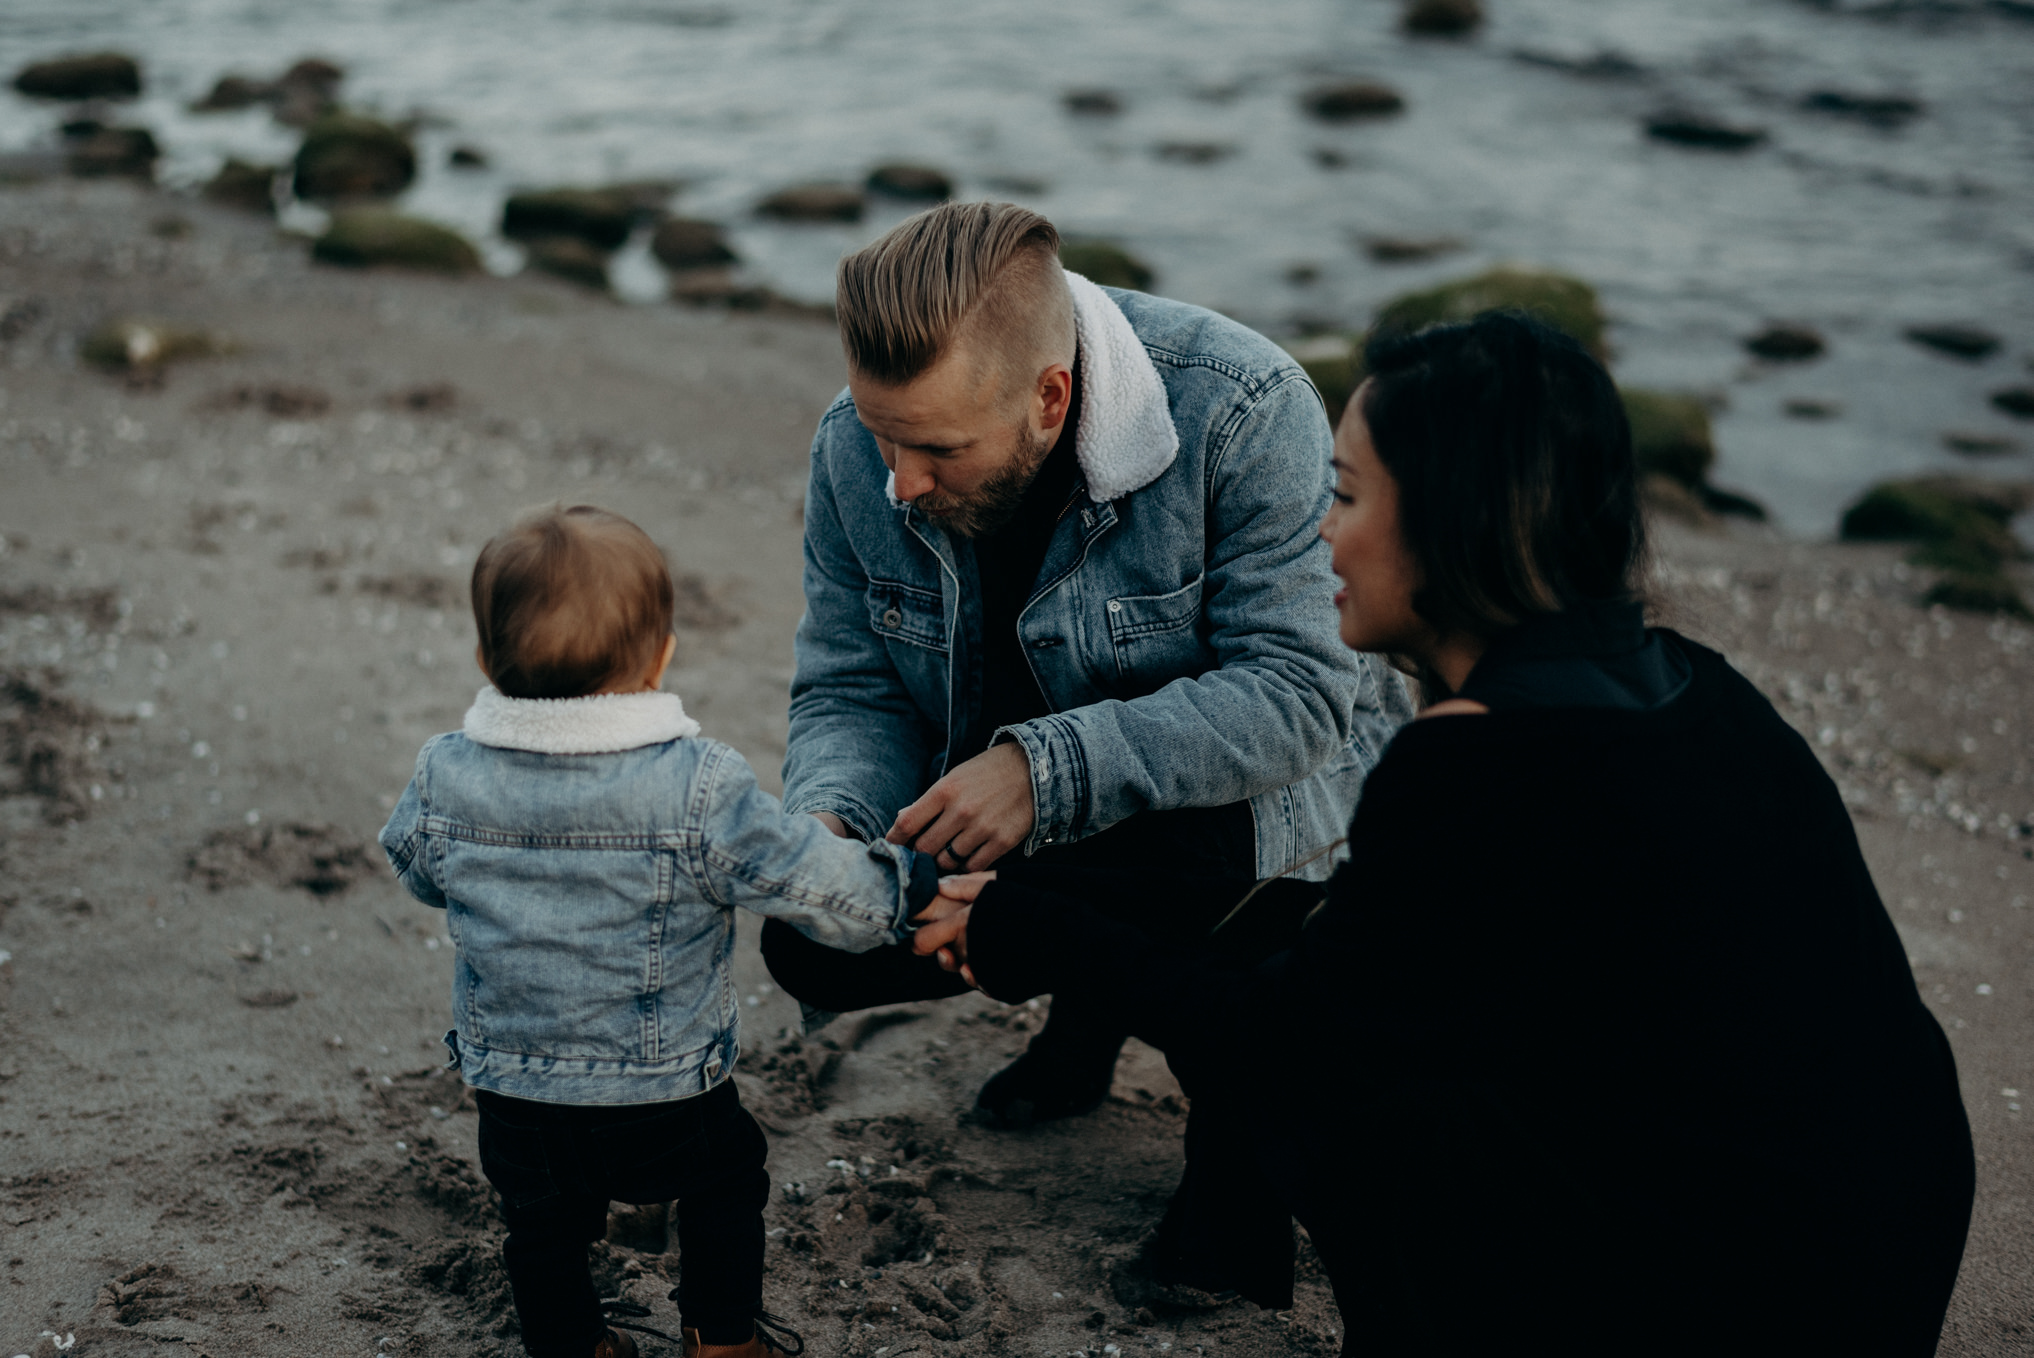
(914, 475)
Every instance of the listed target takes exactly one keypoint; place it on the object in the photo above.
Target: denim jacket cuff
(1059, 779)
(861, 820)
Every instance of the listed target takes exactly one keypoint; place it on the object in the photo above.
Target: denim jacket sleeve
(858, 745)
(755, 854)
(403, 841)
(1285, 696)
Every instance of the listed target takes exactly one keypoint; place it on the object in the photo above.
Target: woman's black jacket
(1602, 1034)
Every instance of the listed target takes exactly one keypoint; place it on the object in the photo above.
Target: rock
(1356, 99)
(571, 258)
(1695, 129)
(1993, 592)
(1409, 249)
(1971, 444)
(1566, 303)
(363, 237)
(1093, 103)
(689, 243)
(1331, 157)
(1784, 343)
(1669, 498)
(1730, 504)
(1961, 341)
(306, 92)
(129, 151)
(599, 217)
(98, 75)
(910, 181)
(1442, 18)
(718, 288)
(230, 92)
(1335, 366)
(1811, 408)
(1886, 110)
(1107, 264)
(1603, 64)
(1670, 436)
(1303, 275)
(250, 188)
(814, 203)
(466, 158)
(134, 344)
(2016, 401)
(1193, 152)
(345, 155)
(1958, 523)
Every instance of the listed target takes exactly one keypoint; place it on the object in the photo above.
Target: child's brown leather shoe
(615, 1344)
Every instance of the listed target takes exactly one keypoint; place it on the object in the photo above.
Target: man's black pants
(557, 1166)
(1226, 1227)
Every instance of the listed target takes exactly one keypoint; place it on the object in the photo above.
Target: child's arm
(755, 854)
(403, 841)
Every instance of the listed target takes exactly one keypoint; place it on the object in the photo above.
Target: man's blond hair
(986, 274)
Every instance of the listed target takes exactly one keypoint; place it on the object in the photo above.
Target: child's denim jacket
(588, 853)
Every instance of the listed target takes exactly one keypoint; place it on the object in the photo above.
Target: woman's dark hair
(1512, 454)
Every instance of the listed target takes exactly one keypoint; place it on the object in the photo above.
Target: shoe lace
(778, 1335)
(615, 1306)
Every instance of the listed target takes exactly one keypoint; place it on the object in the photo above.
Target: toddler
(588, 847)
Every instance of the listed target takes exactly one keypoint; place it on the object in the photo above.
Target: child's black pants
(557, 1166)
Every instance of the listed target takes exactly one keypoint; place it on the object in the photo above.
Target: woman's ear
(480, 659)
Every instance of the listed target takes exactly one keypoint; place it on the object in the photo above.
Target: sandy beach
(231, 608)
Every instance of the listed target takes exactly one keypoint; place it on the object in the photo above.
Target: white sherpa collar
(600, 724)
(1126, 438)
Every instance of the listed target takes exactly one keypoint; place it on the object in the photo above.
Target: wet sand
(230, 611)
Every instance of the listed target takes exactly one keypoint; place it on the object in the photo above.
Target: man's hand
(834, 824)
(977, 813)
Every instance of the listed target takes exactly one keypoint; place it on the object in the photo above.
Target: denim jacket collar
(600, 724)
(1126, 438)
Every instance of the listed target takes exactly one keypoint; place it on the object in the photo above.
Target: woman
(1602, 1035)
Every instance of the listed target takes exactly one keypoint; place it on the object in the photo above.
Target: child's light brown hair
(570, 601)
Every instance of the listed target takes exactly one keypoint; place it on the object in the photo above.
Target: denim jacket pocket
(1154, 635)
(901, 612)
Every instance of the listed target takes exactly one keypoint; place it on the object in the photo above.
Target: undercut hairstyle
(1517, 493)
(984, 274)
(570, 601)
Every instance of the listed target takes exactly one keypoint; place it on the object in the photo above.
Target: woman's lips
(1341, 597)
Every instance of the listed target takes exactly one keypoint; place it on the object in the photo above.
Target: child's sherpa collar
(601, 724)
(1126, 437)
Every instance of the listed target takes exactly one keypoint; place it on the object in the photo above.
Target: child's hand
(966, 887)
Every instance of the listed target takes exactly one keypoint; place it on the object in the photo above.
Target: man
(1064, 596)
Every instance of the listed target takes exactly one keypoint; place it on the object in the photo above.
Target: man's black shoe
(1041, 1086)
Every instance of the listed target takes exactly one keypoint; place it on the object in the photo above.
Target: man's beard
(995, 502)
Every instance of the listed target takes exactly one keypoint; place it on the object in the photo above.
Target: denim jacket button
(892, 619)
(1115, 605)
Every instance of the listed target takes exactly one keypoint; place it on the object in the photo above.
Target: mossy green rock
(347, 156)
(1567, 304)
(1959, 524)
(1670, 435)
(1992, 592)
(367, 236)
(1108, 264)
(600, 217)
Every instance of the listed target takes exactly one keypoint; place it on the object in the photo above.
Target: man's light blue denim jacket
(1183, 626)
(588, 854)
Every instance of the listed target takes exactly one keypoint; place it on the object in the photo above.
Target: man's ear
(1055, 395)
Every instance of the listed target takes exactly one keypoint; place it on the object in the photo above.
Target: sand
(229, 613)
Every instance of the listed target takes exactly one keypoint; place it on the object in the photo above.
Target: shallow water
(1856, 229)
